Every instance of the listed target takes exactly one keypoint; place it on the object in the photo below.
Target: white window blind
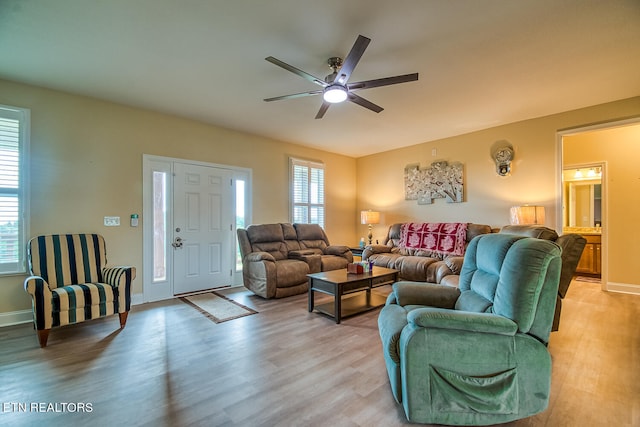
(307, 192)
(14, 124)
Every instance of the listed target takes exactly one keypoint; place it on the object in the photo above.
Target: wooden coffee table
(340, 283)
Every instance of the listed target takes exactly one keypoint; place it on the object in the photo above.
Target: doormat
(587, 279)
(217, 307)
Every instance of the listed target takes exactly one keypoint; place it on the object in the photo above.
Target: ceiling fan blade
(368, 84)
(323, 109)
(294, 95)
(352, 59)
(294, 70)
(364, 103)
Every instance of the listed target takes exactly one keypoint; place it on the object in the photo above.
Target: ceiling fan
(335, 86)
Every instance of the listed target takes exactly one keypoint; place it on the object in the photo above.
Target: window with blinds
(307, 192)
(14, 125)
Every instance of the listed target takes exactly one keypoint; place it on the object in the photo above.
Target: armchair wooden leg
(43, 336)
(123, 319)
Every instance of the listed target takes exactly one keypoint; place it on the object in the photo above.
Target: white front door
(203, 224)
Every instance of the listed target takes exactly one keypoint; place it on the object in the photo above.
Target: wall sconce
(527, 215)
(369, 217)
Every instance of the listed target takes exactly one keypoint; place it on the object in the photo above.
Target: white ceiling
(482, 63)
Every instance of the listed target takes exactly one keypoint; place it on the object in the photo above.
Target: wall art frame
(440, 180)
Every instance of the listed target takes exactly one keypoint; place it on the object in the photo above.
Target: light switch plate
(112, 221)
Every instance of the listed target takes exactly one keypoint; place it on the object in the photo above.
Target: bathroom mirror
(582, 197)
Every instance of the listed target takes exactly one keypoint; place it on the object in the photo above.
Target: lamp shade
(369, 217)
(527, 215)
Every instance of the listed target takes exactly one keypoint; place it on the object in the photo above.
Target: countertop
(593, 231)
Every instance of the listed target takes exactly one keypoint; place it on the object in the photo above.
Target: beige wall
(535, 177)
(619, 149)
(86, 162)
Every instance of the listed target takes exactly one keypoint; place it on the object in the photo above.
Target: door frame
(605, 286)
(150, 163)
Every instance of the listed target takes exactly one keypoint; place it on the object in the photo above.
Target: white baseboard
(15, 317)
(25, 316)
(137, 299)
(624, 288)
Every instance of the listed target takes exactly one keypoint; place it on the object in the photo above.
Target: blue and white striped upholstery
(70, 283)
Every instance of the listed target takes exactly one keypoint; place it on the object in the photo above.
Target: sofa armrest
(375, 249)
(338, 250)
(430, 317)
(259, 256)
(121, 278)
(452, 280)
(422, 293)
(301, 254)
(311, 257)
(450, 266)
(41, 296)
(119, 275)
(454, 263)
(36, 286)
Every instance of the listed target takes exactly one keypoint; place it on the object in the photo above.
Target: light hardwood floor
(171, 366)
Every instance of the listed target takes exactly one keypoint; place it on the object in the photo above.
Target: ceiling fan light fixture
(335, 88)
(335, 94)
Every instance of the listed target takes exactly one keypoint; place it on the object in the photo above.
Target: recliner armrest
(375, 249)
(301, 254)
(311, 257)
(391, 321)
(454, 263)
(259, 256)
(431, 317)
(338, 250)
(428, 294)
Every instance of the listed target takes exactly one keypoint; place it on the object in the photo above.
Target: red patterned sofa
(421, 258)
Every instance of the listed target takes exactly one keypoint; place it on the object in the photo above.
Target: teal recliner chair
(477, 354)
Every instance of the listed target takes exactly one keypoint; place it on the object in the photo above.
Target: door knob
(177, 242)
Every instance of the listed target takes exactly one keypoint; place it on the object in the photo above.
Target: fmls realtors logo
(66, 407)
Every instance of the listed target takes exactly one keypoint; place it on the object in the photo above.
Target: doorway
(192, 210)
(582, 200)
(608, 150)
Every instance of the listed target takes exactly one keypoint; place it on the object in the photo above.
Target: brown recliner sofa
(415, 264)
(276, 258)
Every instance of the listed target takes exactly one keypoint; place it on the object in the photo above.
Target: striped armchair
(70, 283)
